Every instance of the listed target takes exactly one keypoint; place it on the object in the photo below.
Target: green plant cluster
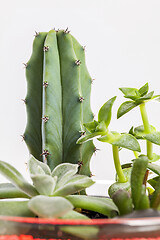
(134, 189)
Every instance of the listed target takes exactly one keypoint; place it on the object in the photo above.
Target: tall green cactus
(58, 100)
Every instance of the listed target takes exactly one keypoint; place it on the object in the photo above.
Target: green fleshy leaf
(129, 91)
(144, 202)
(91, 126)
(110, 137)
(88, 137)
(139, 131)
(101, 205)
(137, 177)
(116, 186)
(76, 184)
(8, 190)
(126, 107)
(44, 184)
(153, 137)
(146, 97)
(154, 168)
(123, 201)
(37, 167)
(50, 207)
(101, 127)
(64, 172)
(15, 208)
(156, 97)
(17, 179)
(126, 172)
(143, 90)
(84, 232)
(155, 200)
(153, 181)
(155, 157)
(127, 141)
(105, 112)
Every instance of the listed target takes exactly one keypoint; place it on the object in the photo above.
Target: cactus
(58, 100)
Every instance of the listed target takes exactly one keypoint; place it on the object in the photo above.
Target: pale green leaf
(76, 184)
(44, 184)
(49, 207)
(101, 205)
(88, 137)
(64, 172)
(17, 179)
(129, 91)
(143, 90)
(37, 167)
(8, 190)
(15, 208)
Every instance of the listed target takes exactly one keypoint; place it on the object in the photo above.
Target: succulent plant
(58, 100)
(134, 189)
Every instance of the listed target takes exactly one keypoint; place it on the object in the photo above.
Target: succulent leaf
(64, 172)
(17, 179)
(76, 184)
(105, 112)
(8, 190)
(102, 205)
(37, 167)
(126, 107)
(44, 184)
(50, 207)
(143, 90)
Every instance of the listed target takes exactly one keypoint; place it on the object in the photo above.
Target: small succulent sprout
(137, 97)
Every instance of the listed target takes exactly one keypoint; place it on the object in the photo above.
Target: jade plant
(135, 188)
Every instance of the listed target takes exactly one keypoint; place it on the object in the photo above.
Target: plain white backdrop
(122, 39)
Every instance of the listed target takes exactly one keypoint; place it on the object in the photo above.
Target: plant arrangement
(59, 132)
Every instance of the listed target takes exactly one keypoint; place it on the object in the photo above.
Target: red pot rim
(131, 222)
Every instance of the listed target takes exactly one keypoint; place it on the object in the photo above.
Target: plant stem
(146, 129)
(136, 154)
(117, 164)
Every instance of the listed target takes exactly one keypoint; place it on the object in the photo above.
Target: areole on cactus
(58, 100)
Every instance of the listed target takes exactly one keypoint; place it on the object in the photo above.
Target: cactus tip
(45, 48)
(25, 65)
(84, 48)
(77, 62)
(92, 80)
(36, 34)
(45, 153)
(24, 100)
(81, 99)
(80, 164)
(82, 133)
(23, 137)
(95, 150)
(45, 84)
(45, 119)
(66, 30)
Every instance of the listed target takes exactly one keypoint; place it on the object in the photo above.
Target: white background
(122, 39)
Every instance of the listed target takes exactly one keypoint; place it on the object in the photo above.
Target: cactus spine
(58, 100)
